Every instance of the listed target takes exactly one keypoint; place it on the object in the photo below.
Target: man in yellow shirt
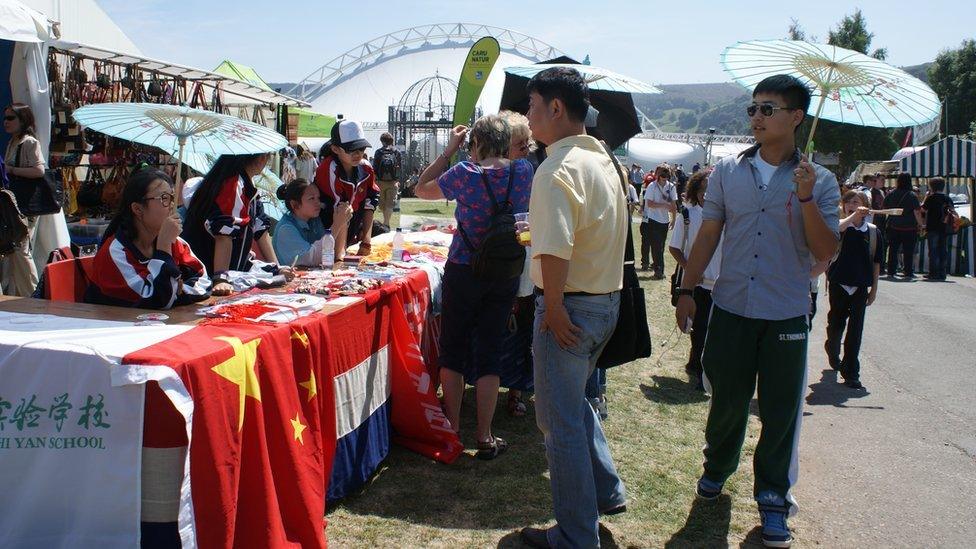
(578, 218)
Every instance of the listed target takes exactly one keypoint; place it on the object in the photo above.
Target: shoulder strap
(17, 154)
(629, 248)
(511, 179)
(491, 195)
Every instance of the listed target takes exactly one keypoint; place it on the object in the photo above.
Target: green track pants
(738, 352)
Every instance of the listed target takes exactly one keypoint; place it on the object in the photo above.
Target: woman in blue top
(475, 310)
(298, 235)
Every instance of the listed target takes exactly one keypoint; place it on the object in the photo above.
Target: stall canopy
(233, 88)
(310, 123)
(950, 156)
(19, 23)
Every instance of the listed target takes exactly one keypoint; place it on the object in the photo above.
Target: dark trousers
(645, 243)
(739, 354)
(703, 306)
(904, 242)
(845, 309)
(881, 222)
(938, 244)
(655, 239)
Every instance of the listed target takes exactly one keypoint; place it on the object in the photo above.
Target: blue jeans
(596, 385)
(938, 254)
(582, 474)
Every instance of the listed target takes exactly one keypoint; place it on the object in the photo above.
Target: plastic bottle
(328, 250)
(398, 245)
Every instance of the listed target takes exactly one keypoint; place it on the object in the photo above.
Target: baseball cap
(349, 135)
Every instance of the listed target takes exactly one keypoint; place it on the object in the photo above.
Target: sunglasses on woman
(765, 109)
(10, 118)
(166, 199)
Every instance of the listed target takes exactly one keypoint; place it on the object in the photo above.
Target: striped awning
(950, 156)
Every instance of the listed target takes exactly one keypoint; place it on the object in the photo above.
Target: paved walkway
(895, 465)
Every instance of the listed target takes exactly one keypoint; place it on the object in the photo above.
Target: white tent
(651, 152)
(83, 21)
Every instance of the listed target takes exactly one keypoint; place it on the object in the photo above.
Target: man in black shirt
(902, 230)
(852, 284)
(935, 208)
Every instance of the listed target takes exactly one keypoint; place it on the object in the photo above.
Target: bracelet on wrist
(804, 200)
(686, 291)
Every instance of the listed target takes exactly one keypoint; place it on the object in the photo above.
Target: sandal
(516, 405)
(491, 449)
(364, 249)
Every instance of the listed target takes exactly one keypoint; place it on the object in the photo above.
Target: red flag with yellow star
(256, 460)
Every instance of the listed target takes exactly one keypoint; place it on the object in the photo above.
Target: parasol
(179, 128)
(846, 86)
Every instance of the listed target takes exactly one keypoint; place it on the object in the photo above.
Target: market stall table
(277, 417)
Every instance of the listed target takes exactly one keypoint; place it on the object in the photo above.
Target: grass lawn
(655, 431)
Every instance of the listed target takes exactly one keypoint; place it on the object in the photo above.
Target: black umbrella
(618, 119)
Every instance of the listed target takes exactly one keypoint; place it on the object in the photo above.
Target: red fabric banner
(256, 460)
(263, 432)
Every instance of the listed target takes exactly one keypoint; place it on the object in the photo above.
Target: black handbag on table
(631, 337)
(37, 196)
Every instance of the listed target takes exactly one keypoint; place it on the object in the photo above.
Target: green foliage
(953, 78)
(854, 143)
(852, 33)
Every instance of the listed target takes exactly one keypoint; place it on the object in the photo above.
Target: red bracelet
(807, 199)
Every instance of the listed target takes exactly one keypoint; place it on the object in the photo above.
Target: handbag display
(631, 337)
(37, 196)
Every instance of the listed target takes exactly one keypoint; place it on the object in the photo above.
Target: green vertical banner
(477, 66)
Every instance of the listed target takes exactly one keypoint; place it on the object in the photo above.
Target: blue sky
(658, 42)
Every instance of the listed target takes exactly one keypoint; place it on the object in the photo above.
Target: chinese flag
(256, 460)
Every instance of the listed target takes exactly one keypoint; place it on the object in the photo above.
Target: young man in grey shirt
(779, 214)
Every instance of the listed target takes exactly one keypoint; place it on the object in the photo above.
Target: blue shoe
(708, 490)
(775, 532)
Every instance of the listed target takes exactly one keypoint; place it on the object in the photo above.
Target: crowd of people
(748, 235)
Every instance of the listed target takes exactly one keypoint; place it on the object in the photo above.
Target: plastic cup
(522, 227)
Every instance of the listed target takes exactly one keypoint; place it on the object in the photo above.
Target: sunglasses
(10, 118)
(766, 109)
(166, 199)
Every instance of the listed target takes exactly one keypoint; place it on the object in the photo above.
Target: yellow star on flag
(239, 370)
(310, 385)
(300, 336)
(296, 424)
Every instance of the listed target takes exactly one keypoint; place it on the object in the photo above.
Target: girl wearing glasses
(142, 262)
(23, 158)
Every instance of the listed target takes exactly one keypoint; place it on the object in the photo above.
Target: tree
(953, 78)
(852, 33)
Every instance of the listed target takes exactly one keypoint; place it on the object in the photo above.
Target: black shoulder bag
(37, 196)
(679, 271)
(631, 337)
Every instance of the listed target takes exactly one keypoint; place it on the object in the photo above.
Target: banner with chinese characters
(70, 442)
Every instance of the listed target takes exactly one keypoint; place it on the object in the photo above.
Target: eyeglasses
(166, 199)
(766, 109)
(10, 118)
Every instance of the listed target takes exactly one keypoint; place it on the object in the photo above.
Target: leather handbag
(13, 225)
(679, 271)
(631, 338)
(37, 195)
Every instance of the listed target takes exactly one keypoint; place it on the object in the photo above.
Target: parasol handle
(825, 89)
(179, 174)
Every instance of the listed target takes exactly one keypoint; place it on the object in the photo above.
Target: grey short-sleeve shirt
(766, 263)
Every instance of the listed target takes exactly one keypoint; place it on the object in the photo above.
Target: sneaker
(599, 405)
(707, 490)
(775, 532)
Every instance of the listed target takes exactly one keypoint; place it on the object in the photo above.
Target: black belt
(538, 291)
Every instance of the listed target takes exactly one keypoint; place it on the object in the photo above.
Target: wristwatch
(686, 291)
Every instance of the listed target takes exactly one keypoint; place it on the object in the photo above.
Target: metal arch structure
(414, 40)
